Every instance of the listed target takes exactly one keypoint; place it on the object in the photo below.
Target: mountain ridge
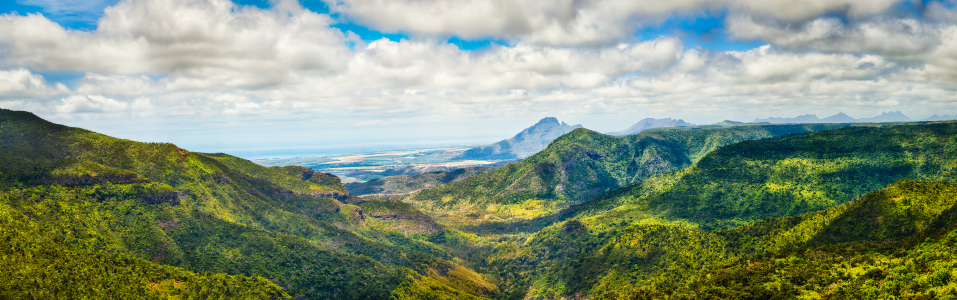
(215, 213)
(649, 123)
(892, 116)
(524, 144)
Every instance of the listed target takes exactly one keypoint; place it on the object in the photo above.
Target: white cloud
(88, 104)
(568, 22)
(902, 39)
(216, 40)
(21, 83)
(199, 60)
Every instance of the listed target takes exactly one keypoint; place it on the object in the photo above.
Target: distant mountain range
(941, 118)
(524, 144)
(893, 116)
(651, 123)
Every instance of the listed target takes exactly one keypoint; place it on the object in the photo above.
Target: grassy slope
(580, 166)
(186, 209)
(733, 185)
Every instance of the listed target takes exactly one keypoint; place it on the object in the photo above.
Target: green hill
(770, 211)
(580, 166)
(732, 186)
(159, 205)
(787, 175)
(899, 235)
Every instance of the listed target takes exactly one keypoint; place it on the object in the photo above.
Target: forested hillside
(580, 166)
(732, 186)
(901, 235)
(775, 211)
(147, 206)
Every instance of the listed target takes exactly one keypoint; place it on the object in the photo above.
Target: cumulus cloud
(203, 59)
(88, 104)
(216, 40)
(903, 39)
(569, 22)
(21, 83)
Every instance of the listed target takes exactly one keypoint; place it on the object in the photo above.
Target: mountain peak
(648, 123)
(527, 142)
(548, 120)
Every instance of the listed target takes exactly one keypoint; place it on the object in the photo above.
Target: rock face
(649, 123)
(524, 144)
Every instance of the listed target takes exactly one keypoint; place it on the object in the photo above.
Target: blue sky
(698, 30)
(213, 74)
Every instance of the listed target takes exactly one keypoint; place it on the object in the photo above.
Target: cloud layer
(212, 59)
(570, 22)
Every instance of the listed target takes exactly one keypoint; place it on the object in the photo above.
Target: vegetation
(732, 186)
(787, 175)
(739, 211)
(578, 167)
(900, 235)
(395, 186)
(147, 203)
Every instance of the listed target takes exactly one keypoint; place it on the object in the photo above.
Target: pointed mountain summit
(893, 116)
(839, 118)
(649, 123)
(524, 144)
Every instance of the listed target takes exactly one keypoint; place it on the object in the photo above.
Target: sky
(279, 78)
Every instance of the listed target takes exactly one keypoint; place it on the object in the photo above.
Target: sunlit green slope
(788, 175)
(731, 186)
(898, 242)
(217, 213)
(59, 256)
(582, 165)
(902, 235)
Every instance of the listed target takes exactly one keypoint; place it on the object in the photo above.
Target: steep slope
(524, 144)
(40, 260)
(736, 185)
(897, 234)
(650, 123)
(790, 175)
(894, 243)
(580, 166)
(173, 207)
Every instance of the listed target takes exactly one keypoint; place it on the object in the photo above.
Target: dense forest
(832, 211)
